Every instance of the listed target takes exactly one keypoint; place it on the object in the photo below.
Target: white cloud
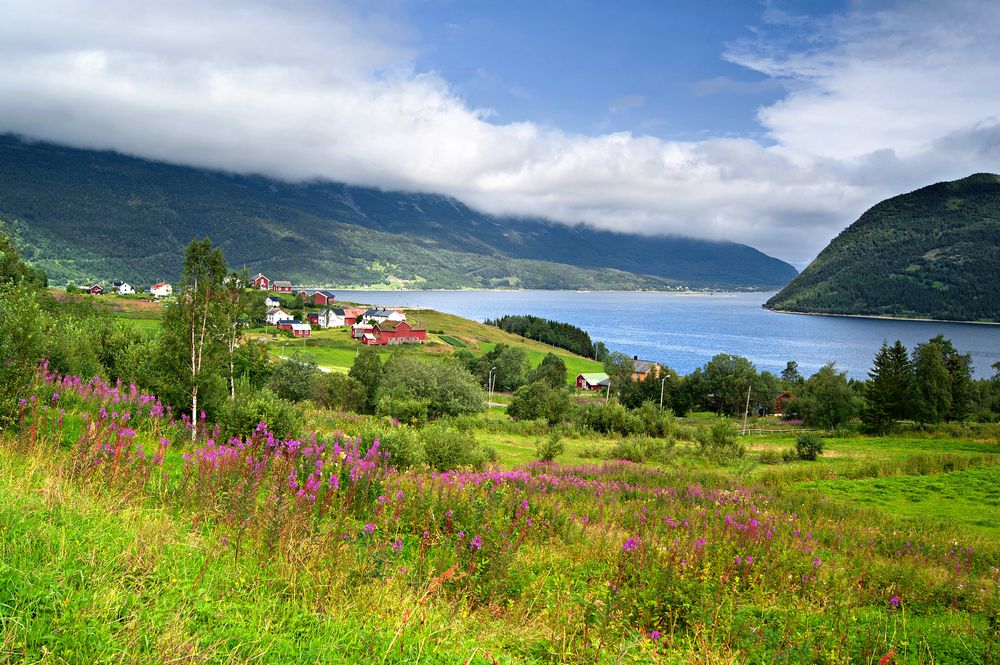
(886, 101)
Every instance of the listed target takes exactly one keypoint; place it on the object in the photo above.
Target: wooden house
(394, 332)
(281, 286)
(261, 282)
(594, 381)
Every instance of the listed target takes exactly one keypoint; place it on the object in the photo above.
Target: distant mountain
(86, 215)
(933, 253)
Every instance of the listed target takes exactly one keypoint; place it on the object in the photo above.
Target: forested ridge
(933, 253)
(85, 216)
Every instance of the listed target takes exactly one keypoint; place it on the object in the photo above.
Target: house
(261, 282)
(270, 302)
(276, 315)
(286, 324)
(643, 368)
(95, 289)
(358, 330)
(323, 297)
(301, 329)
(328, 318)
(281, 286)
(779, 402)
(124, 289)
(594, 381)
(351, 315)
(161, 290)
(394, 332)
(378, 315)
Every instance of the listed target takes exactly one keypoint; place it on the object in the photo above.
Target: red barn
(351, 315)
(261, 282)
(287, 324)
(301, 329)
(320, 298)
(394, 332)
(279, 286)
(95, 290)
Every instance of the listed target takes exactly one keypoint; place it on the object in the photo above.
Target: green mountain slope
(87, 215)
(933, 253)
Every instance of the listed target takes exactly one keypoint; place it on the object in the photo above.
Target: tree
(368, 371)
(14, 270)
(552, 371)
(21, 341)
(829, 400)
(447, 388)
(931, 387)
(728, 377)
(959, 368)
(540, 400)
(292, 379)
(194, 327)
(790, 375)
(887, 392)
(511, 363)
(234, 311)
(339, 391)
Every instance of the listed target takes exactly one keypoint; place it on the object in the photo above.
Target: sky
(772, 123)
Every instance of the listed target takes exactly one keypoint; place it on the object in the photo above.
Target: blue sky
(593, 67)
(773, 123)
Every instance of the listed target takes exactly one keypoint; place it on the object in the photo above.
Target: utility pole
(663, 382)
(746, 413)
(607, 398)
(489, 385)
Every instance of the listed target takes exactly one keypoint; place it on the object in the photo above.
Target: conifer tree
(888, 390)
(931, 391)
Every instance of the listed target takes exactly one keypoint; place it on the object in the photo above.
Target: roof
(300, 326)
(95, 286)
(278, 282)
(389, 326)
(644, 366)
(158, 285)
(328, 294)
(594, 378)
(379, 312)
(118, 283)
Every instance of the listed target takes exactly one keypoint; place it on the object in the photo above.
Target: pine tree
(888, 390)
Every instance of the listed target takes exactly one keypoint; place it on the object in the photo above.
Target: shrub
(291, 379)
(447, 448)
(339, 391)
(591, 452)
(401, 443)
(408, 410)
(239, 417)
(808, 446)
(549, 447)
(719, 442)
(642, 449)
(539, 400)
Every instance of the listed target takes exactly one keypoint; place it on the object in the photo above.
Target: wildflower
(894, 602)
(654, 635)
(749, 560)
(476, 544)
(397, 545)
(631, 545)
(369, 528)
(817, 562)
(887, 658)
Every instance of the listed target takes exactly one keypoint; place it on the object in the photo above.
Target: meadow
(129, 535)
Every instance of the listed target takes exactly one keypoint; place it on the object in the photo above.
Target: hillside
(85, 215)
(933, 253)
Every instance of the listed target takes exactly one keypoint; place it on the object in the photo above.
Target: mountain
(85, 215)
(933, 253)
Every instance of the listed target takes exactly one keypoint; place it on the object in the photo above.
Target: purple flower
(817, 562)
(476, 544)
(397, 545)
(369, 528)
(894, 602)
(749, 560)
(654, 635)
(631, 545)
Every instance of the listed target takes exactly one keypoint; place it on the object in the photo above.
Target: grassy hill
(933, 253)
(85, 215)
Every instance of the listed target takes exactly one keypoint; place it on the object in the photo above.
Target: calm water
(684, 331)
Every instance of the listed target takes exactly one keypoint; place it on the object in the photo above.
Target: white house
(161, 289)
(276, 315)
(380, 315)
(124, 289)
(270, 302)
(330, 318)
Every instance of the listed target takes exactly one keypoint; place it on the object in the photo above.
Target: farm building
(393, 332)
(643, 368)
(270, 302)
(161, 290)
(301, 329)
(378, 315)
(322, 298)
(124, 288)
(261, 282)
(351, 315)
(276, 315)
(779, 402)
(95, 289)
(358, 330)
(328, 318)
(281, 286)
(594, 381)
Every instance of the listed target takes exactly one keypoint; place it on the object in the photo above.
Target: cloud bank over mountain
(878, 101)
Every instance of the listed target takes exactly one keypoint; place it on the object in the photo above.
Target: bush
(591, 452)
(808, 446)
(539, 400)
(292, 379)
(339, 391)
(401, 443)
(239, 417)
(642, 449)
(549, 447)
(447, 448)
(719, 442)
(409, 410)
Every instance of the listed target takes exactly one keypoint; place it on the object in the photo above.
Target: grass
(967, 500)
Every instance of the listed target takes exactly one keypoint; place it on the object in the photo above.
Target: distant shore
(884, 317)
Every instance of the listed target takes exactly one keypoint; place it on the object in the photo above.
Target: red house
(351, 315)
(261, 282)
(95, 290)
(323, 298)
(779, 402)
(287, 324)
(279, 286)
(301, 329)
(393, 332)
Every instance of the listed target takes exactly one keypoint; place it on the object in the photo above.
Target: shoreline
(883, 317)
